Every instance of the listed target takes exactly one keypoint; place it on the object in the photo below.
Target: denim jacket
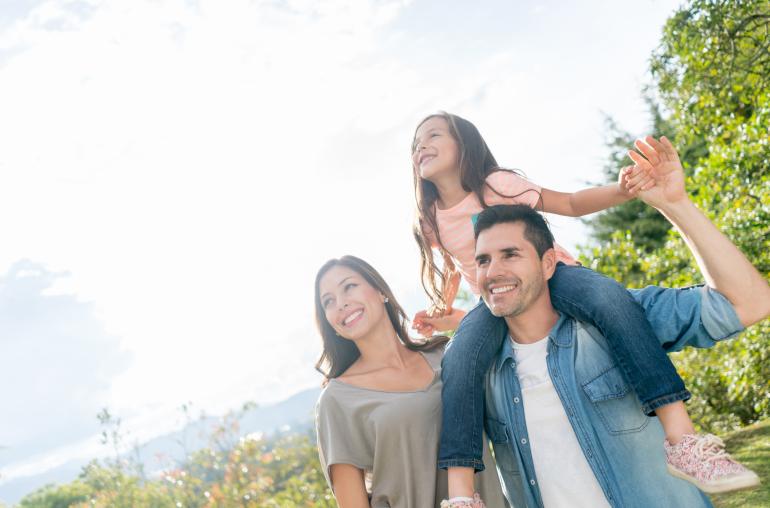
(622, 445)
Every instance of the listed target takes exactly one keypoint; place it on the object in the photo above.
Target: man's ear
(548, 263)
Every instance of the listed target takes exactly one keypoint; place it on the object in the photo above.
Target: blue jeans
(578, 292)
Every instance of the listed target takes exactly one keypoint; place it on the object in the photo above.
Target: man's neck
(534, 323)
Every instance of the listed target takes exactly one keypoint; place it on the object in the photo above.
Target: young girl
(455, 177)
(377, 419)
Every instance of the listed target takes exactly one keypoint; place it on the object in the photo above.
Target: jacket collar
(561, 335)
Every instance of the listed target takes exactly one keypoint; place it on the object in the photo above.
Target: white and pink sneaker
(703, 461)
(463, 502)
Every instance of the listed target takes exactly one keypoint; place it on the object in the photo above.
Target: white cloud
(192, 163)
(56, 363)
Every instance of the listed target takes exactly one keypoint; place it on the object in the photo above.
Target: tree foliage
(248, 472)
(711, 77)
(649, 230)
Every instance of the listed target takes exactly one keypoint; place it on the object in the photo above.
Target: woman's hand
(427, 325)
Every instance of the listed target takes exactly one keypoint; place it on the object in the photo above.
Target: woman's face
(351, 305)
(435, 152)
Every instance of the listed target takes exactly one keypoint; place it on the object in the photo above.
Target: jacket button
(523, 441)
(532, 482)
(515, 400)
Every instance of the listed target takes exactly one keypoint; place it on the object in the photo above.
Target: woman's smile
(352, 318)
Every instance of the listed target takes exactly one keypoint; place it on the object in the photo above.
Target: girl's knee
(477, 340)
(583, 285)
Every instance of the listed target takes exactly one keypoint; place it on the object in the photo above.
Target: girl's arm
(594, 199)
(426, 325)
(451, 292)
(348, 486)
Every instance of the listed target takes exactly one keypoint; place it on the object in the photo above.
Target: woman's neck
(382, 348)
(450, 192)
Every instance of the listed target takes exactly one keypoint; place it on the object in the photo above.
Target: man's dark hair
(536, 230)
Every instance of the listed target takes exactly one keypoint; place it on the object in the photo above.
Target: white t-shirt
(562, 470)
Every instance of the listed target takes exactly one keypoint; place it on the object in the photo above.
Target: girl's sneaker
(703, 461)
(464, 502)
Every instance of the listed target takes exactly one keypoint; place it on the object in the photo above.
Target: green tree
(711, 75)
(234, 470)
(647, 228)
(52, 496)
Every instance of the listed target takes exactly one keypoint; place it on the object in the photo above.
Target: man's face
(510, 274)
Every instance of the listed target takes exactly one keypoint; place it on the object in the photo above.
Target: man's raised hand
(657, 159)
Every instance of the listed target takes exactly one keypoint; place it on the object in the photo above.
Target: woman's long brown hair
(339, 353)
(476, 164)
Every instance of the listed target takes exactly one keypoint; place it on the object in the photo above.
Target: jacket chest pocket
(616, 404)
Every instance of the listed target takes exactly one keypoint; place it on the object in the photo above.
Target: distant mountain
(294, 413)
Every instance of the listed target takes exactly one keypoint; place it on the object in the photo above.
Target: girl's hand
(427, 325)
(623, 175)
(421, 321)
(633, 179)
(420, 324)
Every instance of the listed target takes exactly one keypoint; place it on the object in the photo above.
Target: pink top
(456, 227)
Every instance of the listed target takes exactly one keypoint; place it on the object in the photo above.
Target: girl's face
(435, 153)
(351, 305)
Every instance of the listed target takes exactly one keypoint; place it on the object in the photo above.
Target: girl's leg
(675, 420)
(603, 302)
(468, 356)
(699, 459)
(460, 482)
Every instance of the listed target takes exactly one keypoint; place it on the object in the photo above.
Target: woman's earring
(385, 300)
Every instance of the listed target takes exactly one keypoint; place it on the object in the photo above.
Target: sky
(174, 172)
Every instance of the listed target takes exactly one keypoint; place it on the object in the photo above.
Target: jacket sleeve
(696, 316)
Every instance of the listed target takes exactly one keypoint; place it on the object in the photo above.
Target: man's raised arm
(723, 266)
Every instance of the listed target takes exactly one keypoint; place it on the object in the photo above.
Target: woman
(378, 418)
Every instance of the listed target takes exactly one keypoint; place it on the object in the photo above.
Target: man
(566, 428)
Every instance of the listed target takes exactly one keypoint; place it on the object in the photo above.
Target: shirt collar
(561, 335)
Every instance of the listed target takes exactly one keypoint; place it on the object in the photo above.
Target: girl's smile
(435, 151)
(425, 158)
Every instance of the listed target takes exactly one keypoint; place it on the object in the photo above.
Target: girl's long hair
(476, 164)
(339, 353)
